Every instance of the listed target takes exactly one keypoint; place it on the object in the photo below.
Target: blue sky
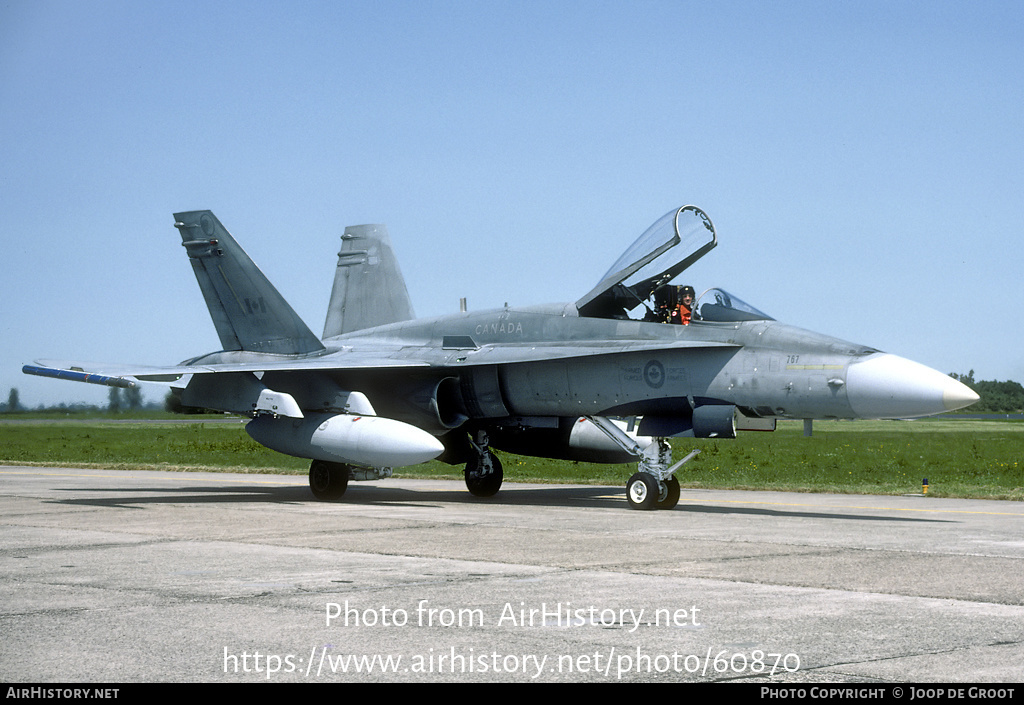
(862, 161)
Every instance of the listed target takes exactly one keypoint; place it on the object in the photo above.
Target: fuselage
(546, 361)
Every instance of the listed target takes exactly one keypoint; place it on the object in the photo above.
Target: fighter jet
(608, 378)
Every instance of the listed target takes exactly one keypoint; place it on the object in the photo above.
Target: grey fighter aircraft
(608, 378)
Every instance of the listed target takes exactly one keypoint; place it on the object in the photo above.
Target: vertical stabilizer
(247, 310)
(368, 286)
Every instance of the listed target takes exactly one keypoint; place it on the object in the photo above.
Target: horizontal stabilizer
(247, 311)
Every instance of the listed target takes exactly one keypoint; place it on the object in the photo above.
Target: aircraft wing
(122, 375)
(115, 375)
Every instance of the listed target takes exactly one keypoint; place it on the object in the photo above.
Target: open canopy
(666, 249)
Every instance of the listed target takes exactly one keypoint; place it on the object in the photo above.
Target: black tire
(642, 491)
(671, 494)
(328, 481)
(484, 485)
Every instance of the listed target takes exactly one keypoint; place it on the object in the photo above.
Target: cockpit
(638, 286)
(719, 306)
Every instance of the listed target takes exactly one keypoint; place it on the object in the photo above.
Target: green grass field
(960, 458)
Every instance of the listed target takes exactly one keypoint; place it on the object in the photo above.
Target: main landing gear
(483, 471)
(328, 481)
(654, 485)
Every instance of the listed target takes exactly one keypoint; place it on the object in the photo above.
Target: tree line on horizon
(118, 400)
(996, 397)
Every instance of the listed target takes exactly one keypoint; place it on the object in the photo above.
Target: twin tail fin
(247, 311)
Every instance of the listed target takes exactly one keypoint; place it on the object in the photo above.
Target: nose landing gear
(654, 485)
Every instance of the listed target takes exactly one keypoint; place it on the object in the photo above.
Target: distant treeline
(996, 397)
(118, 401)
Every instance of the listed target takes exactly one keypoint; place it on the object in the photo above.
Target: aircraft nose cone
(887, 386)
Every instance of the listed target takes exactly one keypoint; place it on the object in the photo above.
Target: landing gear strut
(483, 471)
(328, 481)
(654, 485)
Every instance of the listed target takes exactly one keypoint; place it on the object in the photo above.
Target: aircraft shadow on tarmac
(582, 496)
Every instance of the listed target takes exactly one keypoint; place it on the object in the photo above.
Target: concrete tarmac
(111, 576)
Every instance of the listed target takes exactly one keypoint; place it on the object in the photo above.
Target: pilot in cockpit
(685, 308)
(673, 304)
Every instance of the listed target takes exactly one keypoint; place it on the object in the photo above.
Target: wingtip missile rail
(78, 376)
